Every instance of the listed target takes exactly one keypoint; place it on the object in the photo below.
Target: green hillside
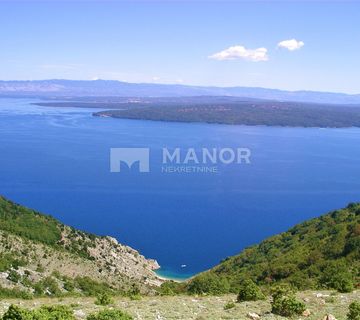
(319, 253)
(41, 259)
(34, 226)
(28, 223)
(41, 256)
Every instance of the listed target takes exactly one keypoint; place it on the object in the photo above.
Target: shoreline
(100, 114)
(167, 275)
(110, 109)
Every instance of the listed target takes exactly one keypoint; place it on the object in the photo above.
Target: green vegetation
(34, 226)
(47, 286)
(14, 294)
(91, 287)
(8, 261)
(354, 311)
(169, 288)
(317, 254)
(322, 253)
(134, 292)
(14, 276)
(193, 308)
(206, 283)
(44, 268)
(249, 291)
(44, 313)
(229, 305)
(28, 224)
(336, 275)
(104, 299)
(253, 112)
(60, 313)
(284, 302)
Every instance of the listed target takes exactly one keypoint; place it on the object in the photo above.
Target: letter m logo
(130, 156)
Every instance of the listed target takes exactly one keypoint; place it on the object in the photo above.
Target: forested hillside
(319, 253)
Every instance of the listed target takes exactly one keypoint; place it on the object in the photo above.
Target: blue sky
(184, 42)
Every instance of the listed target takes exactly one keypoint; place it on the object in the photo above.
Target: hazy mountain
(78, 88)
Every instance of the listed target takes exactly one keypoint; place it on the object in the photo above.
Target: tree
(354, 311)
(249, 291)
(284, 302)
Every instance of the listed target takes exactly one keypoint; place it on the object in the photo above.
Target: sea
(57, 161)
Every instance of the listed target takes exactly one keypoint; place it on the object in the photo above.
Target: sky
(274, 44)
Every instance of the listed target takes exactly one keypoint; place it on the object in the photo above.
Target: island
(221, 110)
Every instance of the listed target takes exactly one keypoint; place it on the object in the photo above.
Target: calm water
(57, 161)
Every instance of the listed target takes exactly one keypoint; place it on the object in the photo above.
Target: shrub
(354, 311)
(110, 315)
(336, 275)
(14, 293)
(91, 287)
(69, 285)
(208, 283)
(284, 302)
(47, 286)
(44, 313)
(54, 313)
(166, 289)
(171, 288)
(249, 291)
(16, 313)
(103, 299)
(134, 290)
(134, 297)
(343, 282)
(8, 261)
(14, 276)
(229, 305)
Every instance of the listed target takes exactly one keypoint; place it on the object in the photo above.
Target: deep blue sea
(56, 160)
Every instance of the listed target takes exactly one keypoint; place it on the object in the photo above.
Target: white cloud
(240, 52)
(291, 45)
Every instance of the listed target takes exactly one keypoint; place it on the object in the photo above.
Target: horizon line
(184, 85)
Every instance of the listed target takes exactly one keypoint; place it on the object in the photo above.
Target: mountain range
(102, 88)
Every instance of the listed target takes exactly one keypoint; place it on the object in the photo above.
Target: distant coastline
(250, 114)
(222, 110)
(230, 124)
